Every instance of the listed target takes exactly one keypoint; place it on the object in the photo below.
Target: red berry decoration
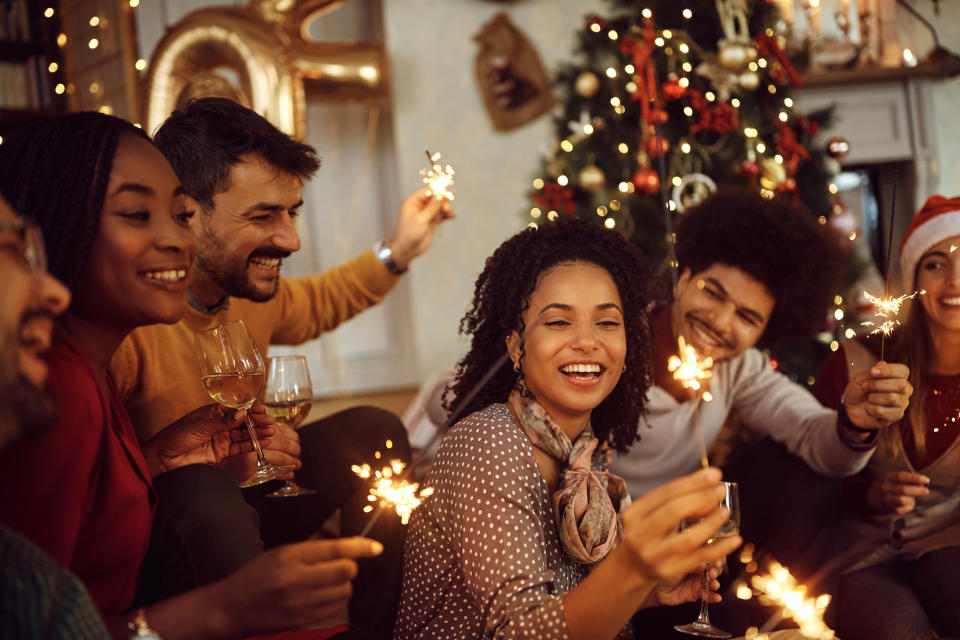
(657, 146)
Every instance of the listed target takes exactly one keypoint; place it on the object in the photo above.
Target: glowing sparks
(886, 310)
(439, 179)
(781, 588)
(690, 369)
(391, 490)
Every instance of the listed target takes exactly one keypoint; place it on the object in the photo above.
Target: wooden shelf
(944, 68)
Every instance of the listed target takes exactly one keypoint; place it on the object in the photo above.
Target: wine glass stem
(261, 459)
(704, 616)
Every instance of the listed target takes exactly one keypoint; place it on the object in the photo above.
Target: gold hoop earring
(516, 366)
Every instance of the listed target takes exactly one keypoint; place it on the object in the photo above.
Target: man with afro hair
(753, 269)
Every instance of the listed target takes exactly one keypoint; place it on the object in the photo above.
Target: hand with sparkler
(875, 398)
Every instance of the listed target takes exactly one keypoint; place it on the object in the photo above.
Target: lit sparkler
(439, 179)
(780, 588)
(693, 371)
(391, 490)
(886, 310)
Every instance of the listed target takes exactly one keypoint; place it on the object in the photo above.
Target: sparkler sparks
(391, 490)
(886, 310)
(780, 588)
(690, 369)
(439, 179)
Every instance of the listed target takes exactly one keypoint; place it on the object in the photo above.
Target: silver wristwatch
(139, 629)
(385, 256)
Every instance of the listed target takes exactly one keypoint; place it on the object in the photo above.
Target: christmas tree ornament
(646, 181)
(656, 146)
(587, 84)
(672, 89)
(659, 117)
(732, 55)
(838, 147)
(750, 171)
(591, 178)
(772, 173)
(692, 189)
(749, 80)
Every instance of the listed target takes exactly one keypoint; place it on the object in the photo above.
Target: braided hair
(56, 171)
(502, 294)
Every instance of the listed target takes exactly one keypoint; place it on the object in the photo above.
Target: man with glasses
(38, 598)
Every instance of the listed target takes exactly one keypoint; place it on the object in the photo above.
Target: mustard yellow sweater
(156, 370)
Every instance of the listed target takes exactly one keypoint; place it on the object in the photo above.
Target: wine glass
(701, 626)
(232, 373)
(288, 396)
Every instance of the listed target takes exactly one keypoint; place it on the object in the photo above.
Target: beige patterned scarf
(588, 502)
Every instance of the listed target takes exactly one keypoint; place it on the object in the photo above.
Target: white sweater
(765, 400)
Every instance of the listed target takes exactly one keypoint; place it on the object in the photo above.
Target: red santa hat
(937, 220)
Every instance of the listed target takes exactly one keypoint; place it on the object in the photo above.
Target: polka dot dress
(482, 557)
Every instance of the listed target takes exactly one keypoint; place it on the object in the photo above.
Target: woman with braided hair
(526, 534)
(116, 224)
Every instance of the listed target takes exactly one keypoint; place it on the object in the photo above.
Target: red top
(82, 492)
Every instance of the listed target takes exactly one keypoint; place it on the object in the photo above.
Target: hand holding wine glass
(232, 372)
(288, 397)
(701, 626)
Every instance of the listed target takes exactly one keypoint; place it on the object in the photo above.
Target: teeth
(36, 337)
(266, 262)
(171, 275)
(581, 368)
(951, 301)
(705, 336)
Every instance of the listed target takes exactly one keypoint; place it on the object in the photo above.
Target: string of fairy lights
(97, 24)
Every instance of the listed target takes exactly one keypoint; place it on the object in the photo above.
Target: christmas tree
(666, 99)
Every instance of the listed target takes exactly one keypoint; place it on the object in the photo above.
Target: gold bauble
(591, 178)
(772, 173)
(587, 84)
(749, 80)
(732, 55)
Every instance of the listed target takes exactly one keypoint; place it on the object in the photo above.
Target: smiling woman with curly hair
(526, 533)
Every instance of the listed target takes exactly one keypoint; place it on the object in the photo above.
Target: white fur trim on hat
(936, 229)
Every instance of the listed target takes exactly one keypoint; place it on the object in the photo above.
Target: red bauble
(750, 171)
(657, 146)
(787, 186)
(659, 117)
(646, 180)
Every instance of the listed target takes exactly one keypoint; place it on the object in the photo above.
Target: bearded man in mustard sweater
(246, 177)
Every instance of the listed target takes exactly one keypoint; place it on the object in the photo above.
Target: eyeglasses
(28, 244)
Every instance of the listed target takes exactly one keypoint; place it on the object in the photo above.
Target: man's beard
(25, 411)
(233, 276)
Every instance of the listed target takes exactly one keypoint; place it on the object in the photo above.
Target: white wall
(437, 105)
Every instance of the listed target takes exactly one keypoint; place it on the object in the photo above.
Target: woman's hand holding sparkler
(878, 397)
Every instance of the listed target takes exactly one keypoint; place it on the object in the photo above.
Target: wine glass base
(291, 489)
(703, 630)
(266, 474)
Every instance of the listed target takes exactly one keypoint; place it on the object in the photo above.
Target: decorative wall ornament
(260, 56)
(510, 74)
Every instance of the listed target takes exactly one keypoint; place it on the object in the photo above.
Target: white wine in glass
(701, 626)
(231, 370)
(288, 396)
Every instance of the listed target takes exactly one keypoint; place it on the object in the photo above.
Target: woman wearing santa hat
(902, 521)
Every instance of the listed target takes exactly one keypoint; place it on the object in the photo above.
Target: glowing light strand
(439, 179)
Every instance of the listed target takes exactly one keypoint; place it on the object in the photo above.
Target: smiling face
(576, 343)
(28, 303)
(721, 311)
(247, 233)
(938, 273)
(141, 258)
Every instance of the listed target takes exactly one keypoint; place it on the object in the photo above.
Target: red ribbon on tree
(642, 51)
(557, 198)
(767, 47)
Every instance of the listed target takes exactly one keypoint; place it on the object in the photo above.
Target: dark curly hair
(502, 295)
(776, 242)
(208, 136)
(56, 171)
